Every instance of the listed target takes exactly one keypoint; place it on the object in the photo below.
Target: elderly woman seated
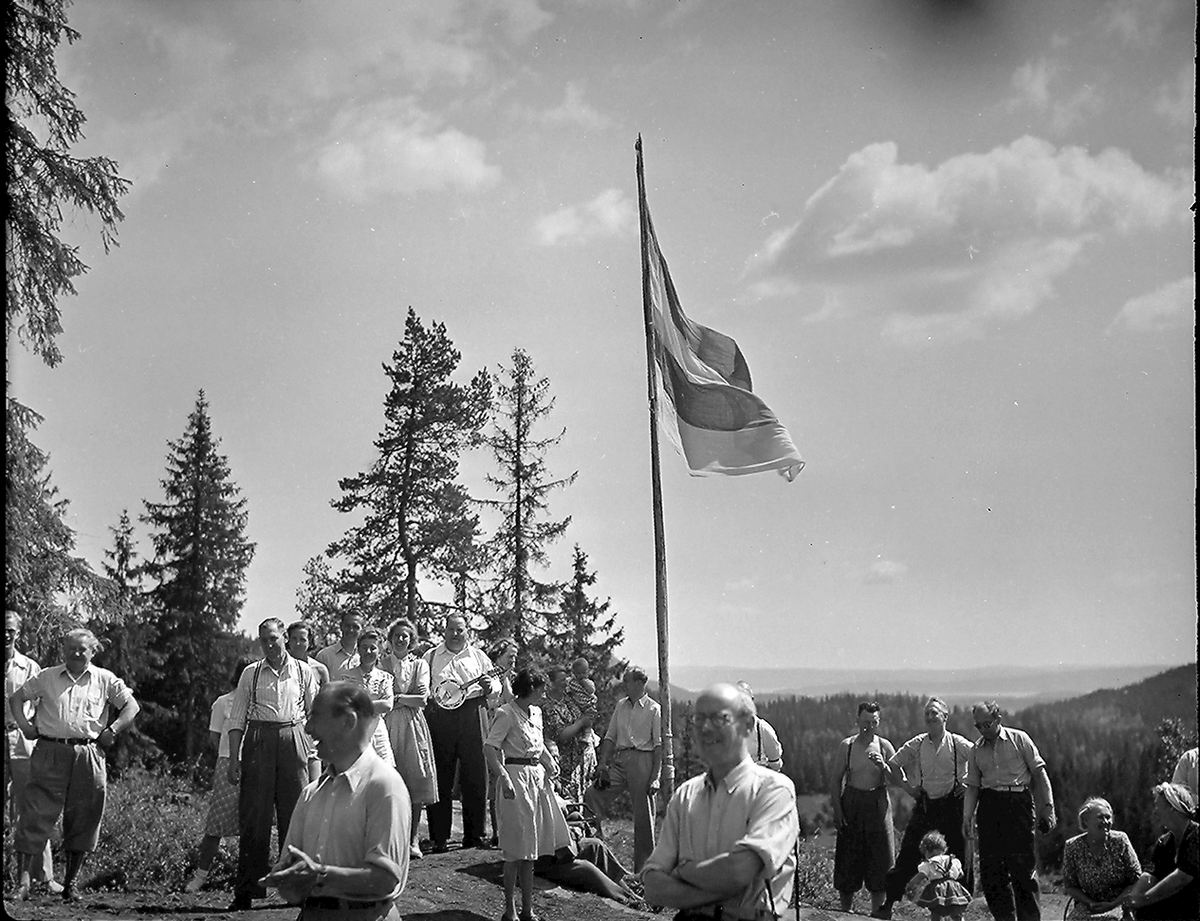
(1170, 888)
(1100, 866)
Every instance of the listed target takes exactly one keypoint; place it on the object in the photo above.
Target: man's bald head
(729, 697)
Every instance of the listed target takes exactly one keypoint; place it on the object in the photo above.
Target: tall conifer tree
(587, 628)
(418, 518)
(200, 559)
(523, 604)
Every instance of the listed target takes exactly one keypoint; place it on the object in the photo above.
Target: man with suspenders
(766, 748)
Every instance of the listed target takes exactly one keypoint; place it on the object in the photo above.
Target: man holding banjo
(461, 677)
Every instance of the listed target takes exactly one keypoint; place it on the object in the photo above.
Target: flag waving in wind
(710, 413)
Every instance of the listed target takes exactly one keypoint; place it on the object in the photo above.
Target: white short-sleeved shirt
(75, 708)
(218, 721)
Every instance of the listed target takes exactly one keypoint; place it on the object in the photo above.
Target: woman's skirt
(222, 819)
(531, 823)
(408, 735)
(944, 893)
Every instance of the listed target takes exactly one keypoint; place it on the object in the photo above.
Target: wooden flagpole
(667, 779)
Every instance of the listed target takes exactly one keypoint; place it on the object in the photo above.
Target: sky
(952, 239)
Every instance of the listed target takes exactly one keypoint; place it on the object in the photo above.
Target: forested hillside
(1113, 743)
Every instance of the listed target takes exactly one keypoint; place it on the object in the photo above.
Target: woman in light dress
(378, 684)
(504, 656)
(531, 823)
(407, 731)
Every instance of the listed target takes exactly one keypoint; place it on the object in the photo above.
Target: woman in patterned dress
(378, 684)
(531, 822)
(1099, 866)
(408, 733)
(564, 724)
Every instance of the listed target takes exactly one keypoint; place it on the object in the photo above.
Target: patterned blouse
(1103, 875)
(557, 715)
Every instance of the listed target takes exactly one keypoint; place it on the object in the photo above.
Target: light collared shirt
(934, 766)
(1009, 761)
(766, 749)
(75, 708)
(636, 725)
(18, 670)
(463, 666)
(218, 721)
(1187, 773)
(358, 818)
(751, 808)
(283, 696)
(337, 661)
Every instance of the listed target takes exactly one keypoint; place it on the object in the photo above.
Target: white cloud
(394, 147)
(883, 571)
(979, 238)
(1176, 101)
(1138, 23)
(1032, 83)
(609, 214)
(1033, 80)
(1170, 307)
(572, 110)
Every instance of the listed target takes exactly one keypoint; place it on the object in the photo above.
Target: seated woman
(1100, 866)
(1170, 889)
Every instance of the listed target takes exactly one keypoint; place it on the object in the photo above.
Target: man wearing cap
(345, 855)
(726, 848)
(765, 747)
(73, 724)
(933, 770)
(18, 669)
(1007, 781)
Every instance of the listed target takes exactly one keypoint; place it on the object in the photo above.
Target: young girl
(936, 884)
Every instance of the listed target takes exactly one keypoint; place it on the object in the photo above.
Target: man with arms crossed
(346, 851)
(726, 848)
(1007, 780)
(67, 771)
(633, 743)
(273, 699)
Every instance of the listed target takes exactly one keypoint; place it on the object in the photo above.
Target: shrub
(814, 874)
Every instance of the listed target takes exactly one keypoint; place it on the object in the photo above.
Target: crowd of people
(339, 749)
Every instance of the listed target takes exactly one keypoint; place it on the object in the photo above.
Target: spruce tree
(523, 605)
(318, 602)
(200, 559)
(588, 629)
(418, 519)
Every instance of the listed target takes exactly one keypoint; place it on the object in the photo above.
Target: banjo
(450, 693)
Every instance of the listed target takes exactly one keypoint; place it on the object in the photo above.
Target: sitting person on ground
(1169, 889)
(1099, 866)
(589, 865)
(937, 884)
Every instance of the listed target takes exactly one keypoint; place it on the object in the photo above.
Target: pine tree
(523, 605)
(318, 602)
(200, 559)
(589, 630)
(43, 178)
(418, 519)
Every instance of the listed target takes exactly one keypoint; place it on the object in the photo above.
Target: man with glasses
(726, 848)
(1007, 780)
(933, 770)
(633, 743)
(862, 812)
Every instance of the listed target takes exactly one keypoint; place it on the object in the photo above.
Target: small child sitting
(936, 884)
(581, 689)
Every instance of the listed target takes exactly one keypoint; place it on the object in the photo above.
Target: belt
(65, 741)
(257, 723)
(1006, 788)
(329, 903)
(508, 760)
(631, 748)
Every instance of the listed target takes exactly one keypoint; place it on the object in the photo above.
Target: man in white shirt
(345, 855)
(633, 743)
(273, 699)
(765, 747)
(726, 847)
(457, 735)
(341, 658)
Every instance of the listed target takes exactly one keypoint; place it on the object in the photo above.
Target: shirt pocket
(93, 704)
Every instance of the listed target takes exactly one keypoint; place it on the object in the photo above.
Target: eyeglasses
(716, 720)
(987, 724)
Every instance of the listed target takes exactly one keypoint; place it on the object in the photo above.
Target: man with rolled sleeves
(933, 768)
(72, 726)
(633, 743)
(1007, 785)
(270, 706)
(18, 669)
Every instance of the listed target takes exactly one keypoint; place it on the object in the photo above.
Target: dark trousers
(274, 772)
(66, 780)
(457, 737)
(1007, 859)
(945, 815)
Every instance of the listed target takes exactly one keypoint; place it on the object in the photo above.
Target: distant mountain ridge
(1014, 686)
(1168, 695)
